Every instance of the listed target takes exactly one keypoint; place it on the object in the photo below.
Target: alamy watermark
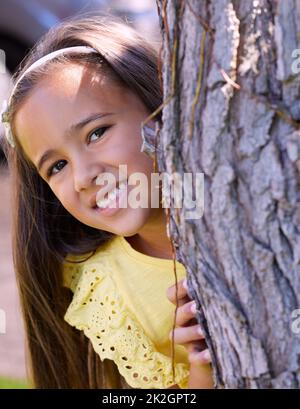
(295, 324)
(2, 62)
(2, 322)
(295, 67)
(184, 191)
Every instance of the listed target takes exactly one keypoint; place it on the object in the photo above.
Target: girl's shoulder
(76, 267)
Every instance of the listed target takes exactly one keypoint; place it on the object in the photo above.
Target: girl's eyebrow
(73, 128)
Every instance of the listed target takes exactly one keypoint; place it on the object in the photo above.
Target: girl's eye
(50, 170)
(96, 132)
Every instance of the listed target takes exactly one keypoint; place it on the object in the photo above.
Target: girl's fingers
(185, 313)
(196, 346)
(182, 291)
(182, 301)
(183, 335)
(202, 357)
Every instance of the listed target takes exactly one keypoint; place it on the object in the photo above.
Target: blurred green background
(8, 383)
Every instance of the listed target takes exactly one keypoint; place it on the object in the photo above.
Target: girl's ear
(149, 132)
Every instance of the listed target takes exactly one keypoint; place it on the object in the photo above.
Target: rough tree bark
(232, 111)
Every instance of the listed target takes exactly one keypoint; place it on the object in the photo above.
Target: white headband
(36, 64)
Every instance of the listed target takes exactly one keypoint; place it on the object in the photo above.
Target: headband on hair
(5, 106)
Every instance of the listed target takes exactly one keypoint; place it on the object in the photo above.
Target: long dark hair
(44, 233)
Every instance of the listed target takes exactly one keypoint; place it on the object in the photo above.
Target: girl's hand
(189, 334)
(188, 331)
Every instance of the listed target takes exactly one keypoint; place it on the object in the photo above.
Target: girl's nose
(85, 176)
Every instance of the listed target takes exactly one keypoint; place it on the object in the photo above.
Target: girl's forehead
(75, 80)
(71, 88)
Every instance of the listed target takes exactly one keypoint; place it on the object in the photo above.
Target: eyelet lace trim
(101, 313)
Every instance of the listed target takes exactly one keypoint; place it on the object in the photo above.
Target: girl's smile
(110, 206)
(86, 124)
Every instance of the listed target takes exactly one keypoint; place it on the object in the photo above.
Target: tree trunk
(232, 111)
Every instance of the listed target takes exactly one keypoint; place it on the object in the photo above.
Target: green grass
(8, 383)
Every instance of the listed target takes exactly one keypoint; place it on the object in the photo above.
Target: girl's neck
(152, 239)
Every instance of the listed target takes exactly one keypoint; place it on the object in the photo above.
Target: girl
(75, 114)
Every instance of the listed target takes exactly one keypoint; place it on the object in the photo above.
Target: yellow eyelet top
(121, 305)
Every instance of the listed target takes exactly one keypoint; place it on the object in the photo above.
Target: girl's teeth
(111, 196)
(103, 203)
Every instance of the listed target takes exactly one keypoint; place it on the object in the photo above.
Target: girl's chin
(129, 224)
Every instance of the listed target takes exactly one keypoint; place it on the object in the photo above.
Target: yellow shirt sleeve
(99, 310)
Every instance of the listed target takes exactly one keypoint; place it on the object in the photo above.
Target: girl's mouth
(111, 203)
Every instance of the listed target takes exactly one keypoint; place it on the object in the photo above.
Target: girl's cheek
(62, 194)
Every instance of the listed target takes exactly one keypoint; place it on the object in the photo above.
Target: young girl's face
(93, 125)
